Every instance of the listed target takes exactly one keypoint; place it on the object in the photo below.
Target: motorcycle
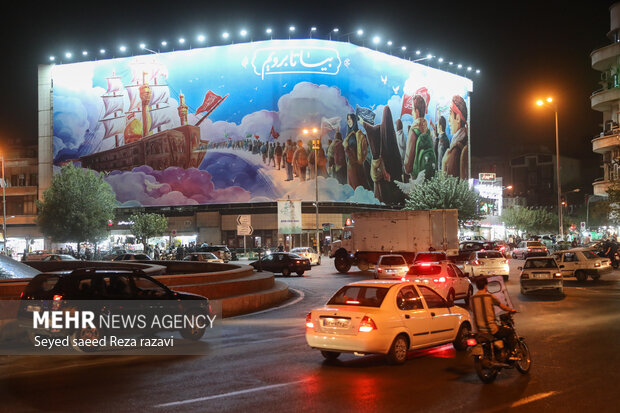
(615, 260)
(491, 355)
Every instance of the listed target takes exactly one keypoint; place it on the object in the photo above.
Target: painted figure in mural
(386, 164)
(420, 155)
(271, 152)
(321, 162)
(289, 152)
(264, 152)
(456, 160)
(277, 152)
(356, 148)
(442, 143)
(401, 139)
(300, 160)
(339, 159)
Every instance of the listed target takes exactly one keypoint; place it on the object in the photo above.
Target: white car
(540, 274)
(391, 267)
(310, 253)
(385, 317)
(486, 263)
(444, 277)
(581, 263)
(203, 257)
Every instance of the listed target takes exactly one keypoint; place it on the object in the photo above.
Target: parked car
(108, 285)
(444, 277)
(132, 257)
(310, 253)
(59, 257)
(202, 256)
(581, 263)
(36, 256)
(391, 267)
(527, 249)
(385, 317)
(220, 251)
(430, 256)
(284, 263)
(487, 263)
(9, 268)
(540, 274)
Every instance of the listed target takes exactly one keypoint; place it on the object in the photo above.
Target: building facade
(606, 100)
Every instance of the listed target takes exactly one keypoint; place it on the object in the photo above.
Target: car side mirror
(520, 268)
(561, 266)
(449, 303)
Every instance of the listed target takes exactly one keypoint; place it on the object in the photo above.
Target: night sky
(535, 49)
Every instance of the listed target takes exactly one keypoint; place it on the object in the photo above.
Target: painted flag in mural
(330, 124)
(257, 137)
(210, 102)
(365, 114)
(407, 105)
(273, 133)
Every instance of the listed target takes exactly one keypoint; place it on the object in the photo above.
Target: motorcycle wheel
(615, 264)
(486, 374)
(525, 359)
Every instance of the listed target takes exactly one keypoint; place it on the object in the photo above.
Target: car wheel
(470, 292)
(398, 350)
(581, 276)
(86, 334)
(505, 277)
(460, 342)
(319, 261)
(595, 277)
(300, 273)
(286, 272)
(330, 355)
(523, 291)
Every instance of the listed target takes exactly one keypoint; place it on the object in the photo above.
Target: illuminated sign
(486, 177)
(224, 124)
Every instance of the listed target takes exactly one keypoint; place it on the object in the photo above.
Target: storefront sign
(486, 177)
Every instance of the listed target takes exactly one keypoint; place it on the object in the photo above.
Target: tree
(533, 221)
(146, 226)
(613, 194)
(77, 206)
(446, 192)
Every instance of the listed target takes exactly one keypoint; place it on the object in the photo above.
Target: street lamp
(551, 104)
(315, 148)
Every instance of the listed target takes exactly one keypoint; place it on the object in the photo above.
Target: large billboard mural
(225, 124)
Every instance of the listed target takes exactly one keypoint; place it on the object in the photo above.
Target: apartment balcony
(19, 220)
(600, 186)
(603, 144)
(21, 190)
(603, 58)
(605, 100)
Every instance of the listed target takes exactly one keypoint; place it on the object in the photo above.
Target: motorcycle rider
(484, 315)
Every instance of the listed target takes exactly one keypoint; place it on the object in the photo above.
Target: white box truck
(375, 233)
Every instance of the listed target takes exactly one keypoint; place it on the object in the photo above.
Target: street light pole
(315, 147)
(3, 209)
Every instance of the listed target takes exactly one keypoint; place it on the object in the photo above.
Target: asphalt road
(261, 363)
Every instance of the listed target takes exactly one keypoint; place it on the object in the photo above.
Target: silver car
(541, 274)
(391, 267)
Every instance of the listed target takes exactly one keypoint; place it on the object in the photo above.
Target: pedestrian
(278, 155)
(156, 253)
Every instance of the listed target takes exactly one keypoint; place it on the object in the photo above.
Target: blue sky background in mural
(281, 85)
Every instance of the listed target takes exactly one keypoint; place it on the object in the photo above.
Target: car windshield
(294, 255)
(430, 256)
(540, 263)
(393, 261)
(9, 268)
(534, 244)
(489, 254)
(590, 255)
(422, 270)
(42, 283)
(358, 295)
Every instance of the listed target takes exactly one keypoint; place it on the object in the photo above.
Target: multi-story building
(607, 101)
(20, 193)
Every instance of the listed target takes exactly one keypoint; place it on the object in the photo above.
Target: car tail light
(440, 280)
(367, 325)
(525, 276)
(502, 248)
(477, 262)
(425, 264)
(404, 279)
(21, 295)
(299, 262)
(598, 264)
(529, 249)
(505, 261)
(546, 250)
(309, 323)
(557, 275)
(354, 302)
(471, 342)
(379, 269)
(57, 297)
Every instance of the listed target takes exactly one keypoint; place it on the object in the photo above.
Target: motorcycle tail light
(309, 323)
(367, 325)
(471, 342)
(57, 297)
(379, 270)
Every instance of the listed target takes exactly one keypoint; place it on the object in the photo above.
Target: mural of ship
(137, 132)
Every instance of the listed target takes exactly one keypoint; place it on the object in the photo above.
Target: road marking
(533, 398)
(295, 301)
(234, 393)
